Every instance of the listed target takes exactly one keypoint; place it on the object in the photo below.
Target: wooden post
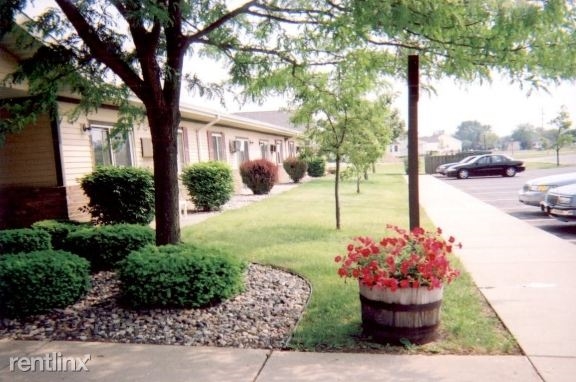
(413, 87)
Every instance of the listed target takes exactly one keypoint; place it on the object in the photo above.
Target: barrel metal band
(400, 307)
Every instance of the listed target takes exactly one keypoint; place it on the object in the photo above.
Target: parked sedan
(443, 167)
(533, 191)
(560, 203)
(489, 164)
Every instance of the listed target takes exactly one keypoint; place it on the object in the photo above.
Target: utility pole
(413, 90)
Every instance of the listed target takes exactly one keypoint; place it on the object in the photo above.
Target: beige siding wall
(7, 64)
(27, 158)
(199, 151)
(76, 144)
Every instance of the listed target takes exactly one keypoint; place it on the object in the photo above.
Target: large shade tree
(142, 45)
(108, 50)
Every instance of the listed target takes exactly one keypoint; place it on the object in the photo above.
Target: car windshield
(468, 159)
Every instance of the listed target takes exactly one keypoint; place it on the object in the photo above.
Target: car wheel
(463, 174)
(510, 172)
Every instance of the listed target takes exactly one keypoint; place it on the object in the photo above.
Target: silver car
(533, 191)
(560, 203)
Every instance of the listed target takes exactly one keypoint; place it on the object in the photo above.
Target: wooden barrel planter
(411, 314)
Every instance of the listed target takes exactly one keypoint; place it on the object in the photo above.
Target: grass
(296, 231)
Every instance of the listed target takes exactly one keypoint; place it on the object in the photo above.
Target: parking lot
(502, 193)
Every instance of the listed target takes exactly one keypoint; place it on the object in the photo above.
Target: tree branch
(101, 49)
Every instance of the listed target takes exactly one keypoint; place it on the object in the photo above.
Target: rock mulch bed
(264, 316)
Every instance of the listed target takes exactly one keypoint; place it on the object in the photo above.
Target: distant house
(40, 167)
(439, 143)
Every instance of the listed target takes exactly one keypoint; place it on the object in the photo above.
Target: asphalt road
(502, 193)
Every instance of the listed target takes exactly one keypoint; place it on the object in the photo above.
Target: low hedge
(120, 195)
(296, 168)
(104, 246)
(259, 175)
(23, 240)
(179, 276)
(316, 167)
(59, 230)
(36, 282)
(210, 184)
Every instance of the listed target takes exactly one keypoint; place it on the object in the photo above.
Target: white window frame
(129, 142)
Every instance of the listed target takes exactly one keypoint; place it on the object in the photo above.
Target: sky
(500, 105)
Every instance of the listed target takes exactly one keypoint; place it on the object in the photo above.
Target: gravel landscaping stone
(264, 316)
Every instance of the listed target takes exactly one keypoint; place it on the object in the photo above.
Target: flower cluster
(406, 259)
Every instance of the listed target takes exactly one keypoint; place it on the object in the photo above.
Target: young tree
(340, 117)
(369, 141)
(560, 136)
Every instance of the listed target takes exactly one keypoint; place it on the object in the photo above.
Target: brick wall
(22, 206)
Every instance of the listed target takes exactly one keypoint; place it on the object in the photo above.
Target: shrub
(58, 230)
(23, 240)
(210, 184)
(316, 167)
(296, 168)
(179, 276)
(259, 175)
(120, 195)
(104, 246)
(35, 282)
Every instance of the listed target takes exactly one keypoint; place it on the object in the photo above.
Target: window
(264, 149)
(484, 160)
(216, 146)
(108, 150)
(291, 149)
(243, 150)
(279, 151)
(497, 159)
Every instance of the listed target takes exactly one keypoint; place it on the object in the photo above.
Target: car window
(497, 159)
(484, 160)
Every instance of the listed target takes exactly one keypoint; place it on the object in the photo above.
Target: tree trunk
(358, 184)
(337, 191)
(164, 131)
(558, 157)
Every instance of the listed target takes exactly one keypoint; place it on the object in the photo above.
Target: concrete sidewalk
(525, 273)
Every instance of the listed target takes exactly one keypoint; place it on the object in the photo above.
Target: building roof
(274, 117)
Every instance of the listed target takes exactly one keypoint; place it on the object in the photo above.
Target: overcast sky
(499, 105)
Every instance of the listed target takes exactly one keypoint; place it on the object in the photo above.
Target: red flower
(404, 259)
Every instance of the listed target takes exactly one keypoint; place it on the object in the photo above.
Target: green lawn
(296, 231)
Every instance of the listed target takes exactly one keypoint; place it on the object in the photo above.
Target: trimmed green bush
(23, 240)
(179, 276)
(296, 168)
(120, 195)
(58, 230)
(259, 175)
(105, 246)
(316, 167)
(210, 184)
(36, 282)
